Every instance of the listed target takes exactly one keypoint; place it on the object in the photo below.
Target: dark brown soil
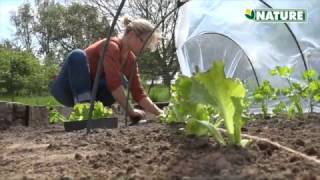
(156, 151)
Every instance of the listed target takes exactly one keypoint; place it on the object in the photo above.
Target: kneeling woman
(75, 80)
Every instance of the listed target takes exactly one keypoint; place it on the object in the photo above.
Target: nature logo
(277, 15)
(249, 14)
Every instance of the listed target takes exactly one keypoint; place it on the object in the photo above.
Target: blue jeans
(73, 84)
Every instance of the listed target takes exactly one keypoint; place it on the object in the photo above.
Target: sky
(7, 6)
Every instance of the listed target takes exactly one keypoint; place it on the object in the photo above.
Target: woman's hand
(137, 113)
(160, 112)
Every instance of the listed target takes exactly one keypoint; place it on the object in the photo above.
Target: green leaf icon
(249, 14)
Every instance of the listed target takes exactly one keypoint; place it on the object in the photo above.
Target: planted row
(207, 101)
(295, 93)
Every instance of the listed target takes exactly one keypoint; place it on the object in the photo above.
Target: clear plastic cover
(209, 30)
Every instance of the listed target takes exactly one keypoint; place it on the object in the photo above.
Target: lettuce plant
(206, 101)
(80, 112)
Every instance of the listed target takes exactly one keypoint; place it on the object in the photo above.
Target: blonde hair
(142, 27)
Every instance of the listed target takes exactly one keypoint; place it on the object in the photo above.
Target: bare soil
(156, 151)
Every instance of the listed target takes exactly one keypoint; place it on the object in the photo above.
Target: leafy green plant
(159, 93)
(281, 107)
(263, 94)
(295, 92)
(206, 101)
(312, 91)
(56, 117)
(80, 112)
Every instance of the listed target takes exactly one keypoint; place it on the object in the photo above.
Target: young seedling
(263, 95)
(294, 92)
(55, 117)
(312, 90)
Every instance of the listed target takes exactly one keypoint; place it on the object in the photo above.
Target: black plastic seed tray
(109, 123)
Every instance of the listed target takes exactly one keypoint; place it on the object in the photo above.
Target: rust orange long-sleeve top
(113, 67)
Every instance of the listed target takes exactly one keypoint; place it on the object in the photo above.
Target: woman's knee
(61, 94)
(77, 56)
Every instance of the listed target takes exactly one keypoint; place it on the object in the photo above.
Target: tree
(49, 16)
(23, 20)
(108, 9)
(58, 28)
(16, 67)
(165, 56)
(22, 74)
(55, 29)
(63, 28)
(8, 44)
(39, 82)
(81, 26)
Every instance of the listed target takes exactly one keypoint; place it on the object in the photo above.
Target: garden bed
(156, 151)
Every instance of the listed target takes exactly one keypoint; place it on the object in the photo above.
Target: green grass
(159, 93)
(35, 100)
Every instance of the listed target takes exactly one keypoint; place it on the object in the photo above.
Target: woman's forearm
(145, 103)
(149, 106)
